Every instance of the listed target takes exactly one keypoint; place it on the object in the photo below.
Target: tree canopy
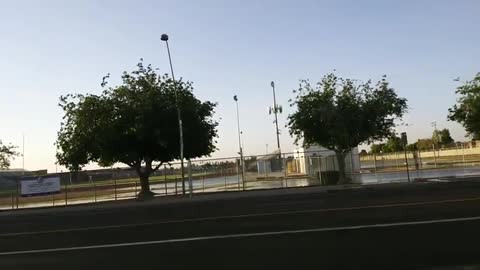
(442, 138)
(424, 144)
(377, 148)
(7, 153)
(340, 114)
(467, 109)
(393, 144)
(135, 123)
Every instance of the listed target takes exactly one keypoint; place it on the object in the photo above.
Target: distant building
(316, 158)
(269, 163)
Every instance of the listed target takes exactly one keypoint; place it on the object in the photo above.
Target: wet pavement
(402, 176)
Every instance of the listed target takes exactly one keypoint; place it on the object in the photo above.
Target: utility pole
(276, 109)
(242, 165)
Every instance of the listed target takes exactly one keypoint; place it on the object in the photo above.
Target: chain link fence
(270, 171)
(435, 165)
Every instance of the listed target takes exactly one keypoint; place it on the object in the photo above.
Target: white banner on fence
(40, 186)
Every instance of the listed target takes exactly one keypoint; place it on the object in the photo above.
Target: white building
(317, 158)
(269, 163)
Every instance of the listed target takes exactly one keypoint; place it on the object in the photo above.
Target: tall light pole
(240, 142)
(276, 109)
(164, 37)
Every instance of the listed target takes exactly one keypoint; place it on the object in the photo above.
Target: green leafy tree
(424, 144)
(446, 138)
(377, 148)
(136, 124)
(340, 114)
(7, 153)
(467, 109)
(436, 137)
(442, 138)
(394, 144)
(412, 147)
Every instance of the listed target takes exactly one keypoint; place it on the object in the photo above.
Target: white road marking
(241, 216)
(242, 235)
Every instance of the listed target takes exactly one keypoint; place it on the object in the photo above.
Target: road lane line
(241, 216)
(242, 235)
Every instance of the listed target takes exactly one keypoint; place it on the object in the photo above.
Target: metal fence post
(463, 160)
(265, 173)
(243, 171)
(351, 162)
(406, 164)
(203, 181)
(94, 191)
(18, 193)
(327, 169)
(320, 170)
(285, 170)
(318, 164)
(335, 164)
(238, 174)
(415, 161)
(136, 183)
(190, 182)
(383, 160)
(176, 188)
(420, 162)
(165, 178)
(115, 187)
(13, 201)
(225, 175)
(396, 160)
(65, 187)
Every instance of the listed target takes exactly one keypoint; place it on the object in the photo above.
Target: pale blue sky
(50, 48)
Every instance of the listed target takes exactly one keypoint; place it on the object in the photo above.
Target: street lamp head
(164, 37)
(272, 84)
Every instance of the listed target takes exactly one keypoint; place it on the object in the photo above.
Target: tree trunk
(145, 192)
(342, 176)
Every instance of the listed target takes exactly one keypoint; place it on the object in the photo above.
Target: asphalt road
(423, 226)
